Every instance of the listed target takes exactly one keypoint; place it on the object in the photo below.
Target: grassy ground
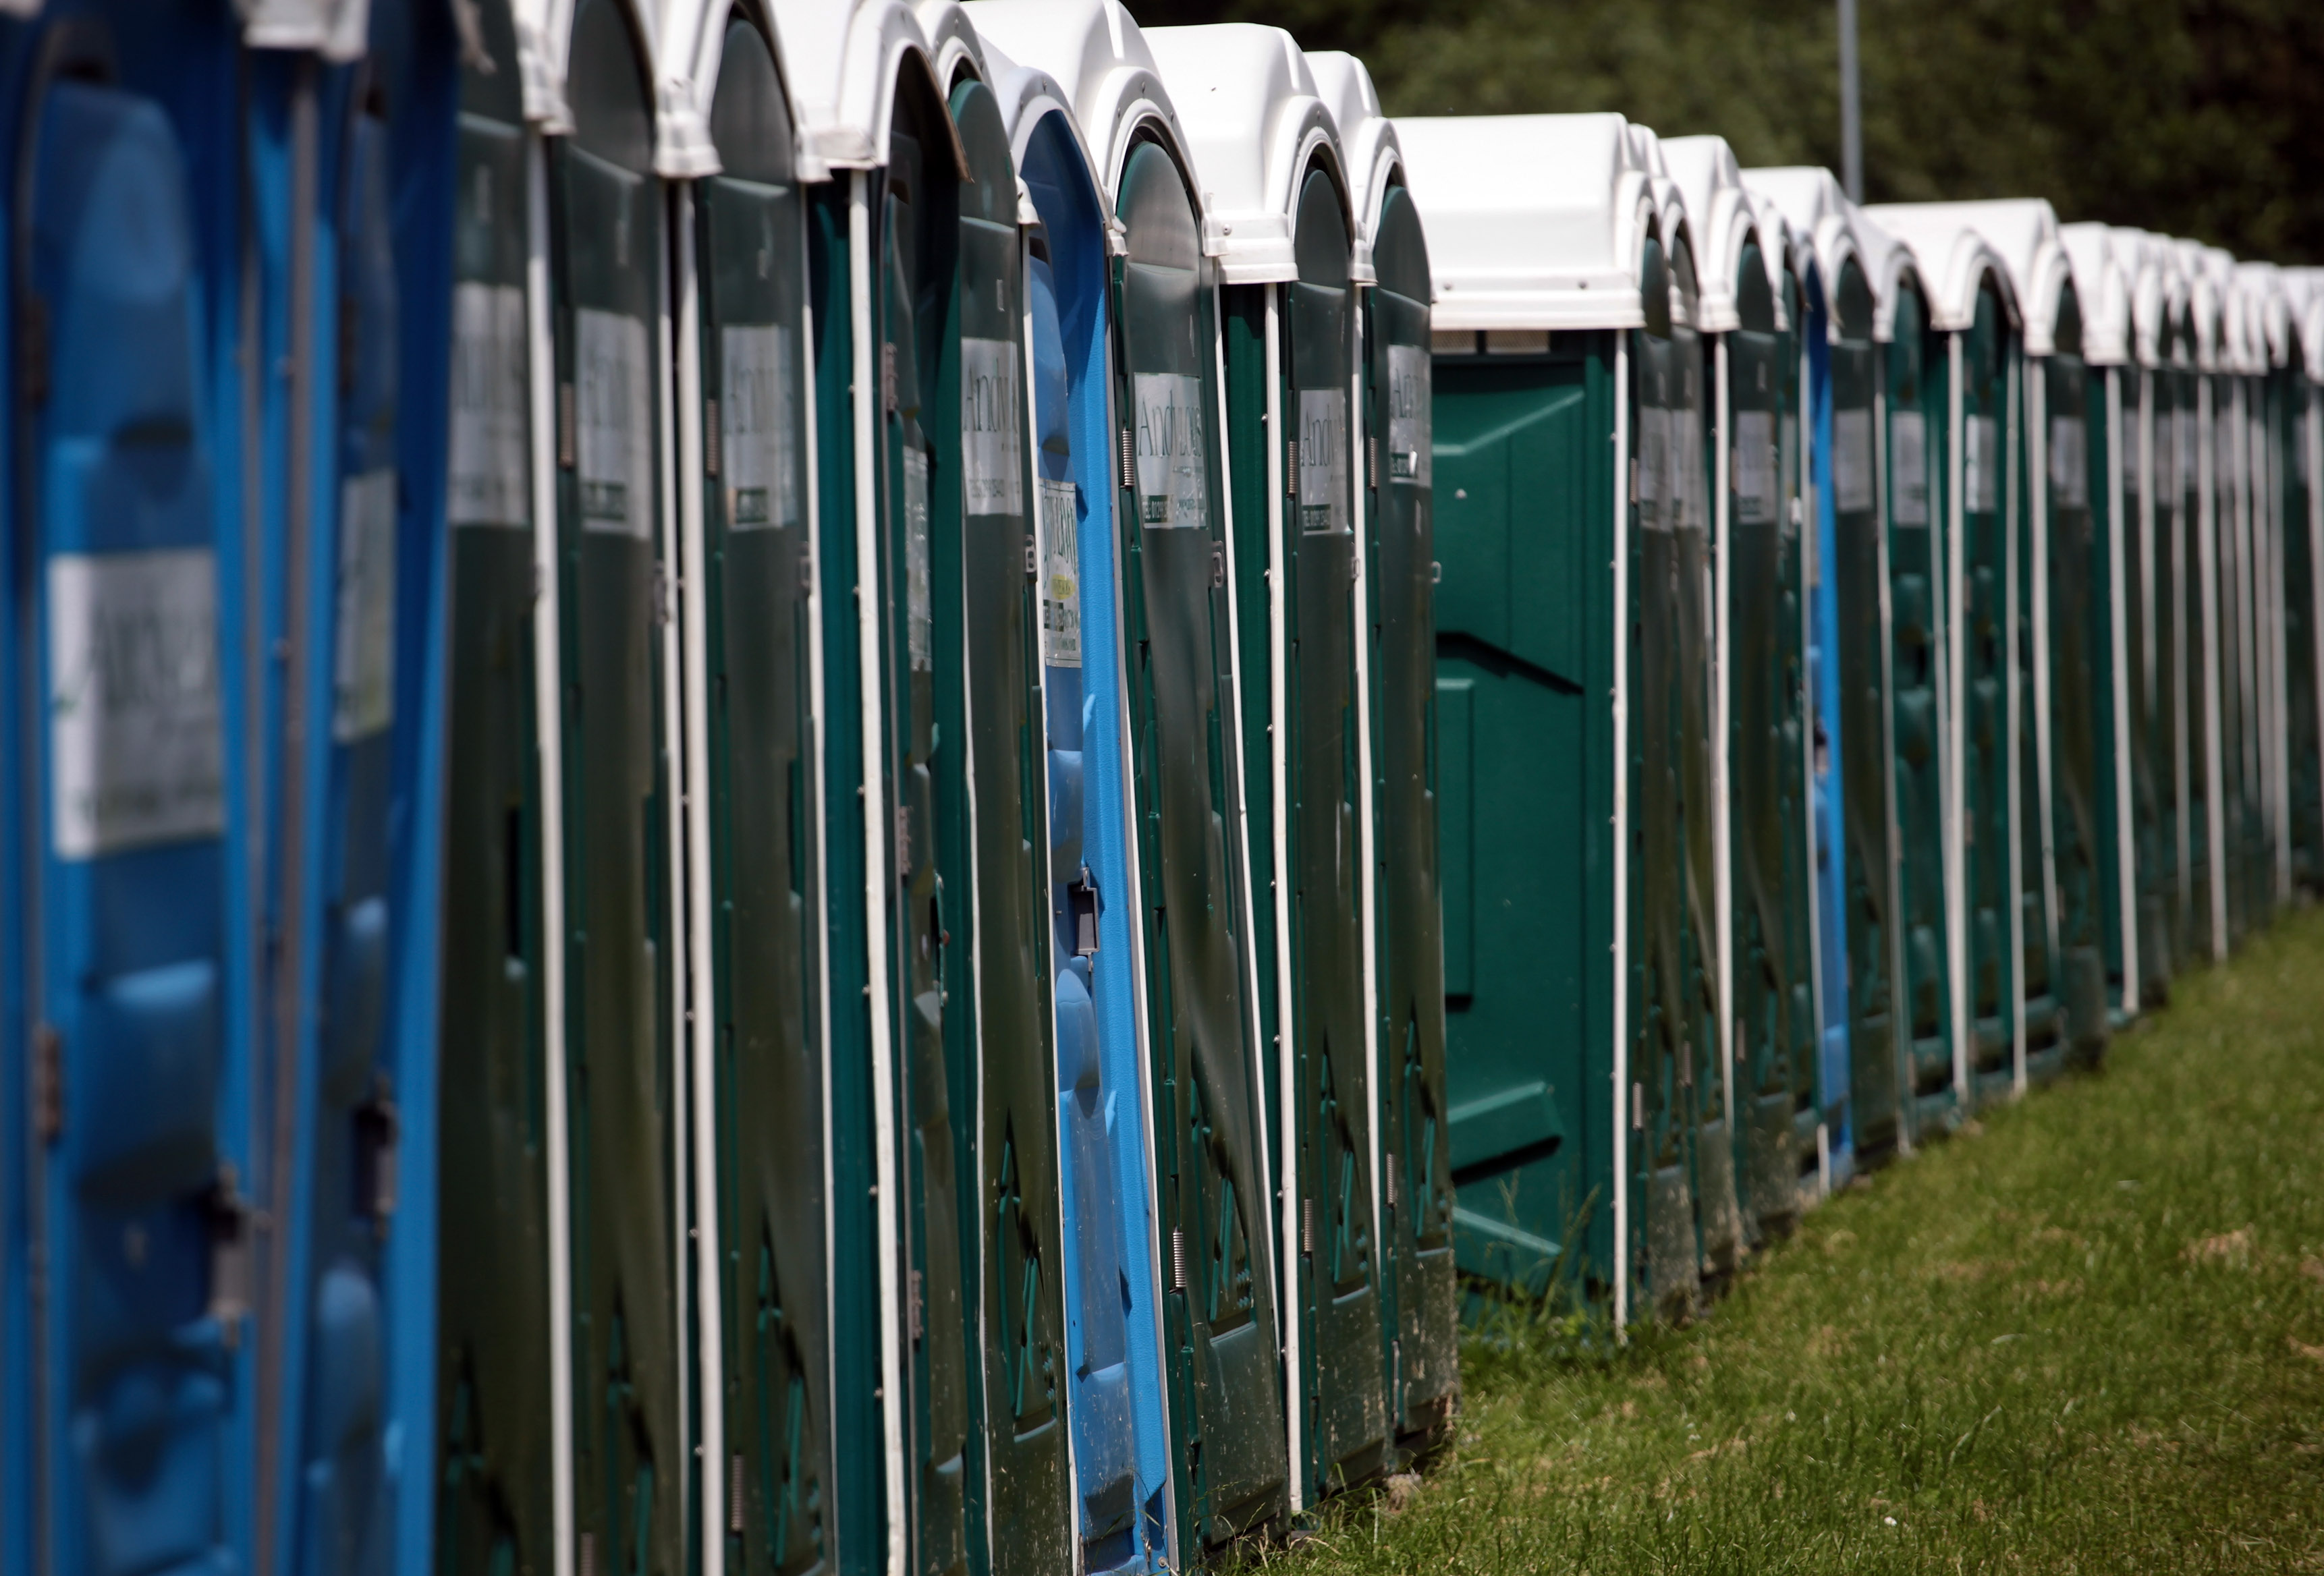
(2088, 1337)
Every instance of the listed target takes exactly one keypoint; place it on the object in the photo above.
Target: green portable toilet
(1577, 966)
(2179, 603)
(2271, 355)
(1764, 894)
(2232, 551)
(2210, 398)
(2065, 524)
(1278, 200)
(1213, 1409)
(499, 1443)
(2109, 267)
(2303, 425)
(1395, 503)
(1865, 960)
(2001, 993)
(755, 1076)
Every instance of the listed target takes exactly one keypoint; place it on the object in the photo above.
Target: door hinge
(564, 427)
(379, 1133)
(661, 585)
(903, 840)
(1639, 1106)
(912, 1302)
(1032, 558)
(1388, 1180)
(228, 1217)
(48, 1081)
(1129, 460)
(1083, 896)
(1307, 1228)
(710, 434)
(1177, 1259)
(1371, 461)
(735, 1495)
(1218, 565)
(888, 378)
(1291, 466)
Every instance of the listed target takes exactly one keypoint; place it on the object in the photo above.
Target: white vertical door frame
(1622, 861)
(2029, 395)
(2207, 465)
(1722, 810)
(1954, 708)
(2126, 839)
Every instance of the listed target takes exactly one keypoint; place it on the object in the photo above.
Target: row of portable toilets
(769, 809)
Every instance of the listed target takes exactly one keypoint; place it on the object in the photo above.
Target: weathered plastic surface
(1421, 1322)
(773, 1280)
(994, 841)
(1682, 1160)
(629, 1463)
(2135, 461)
(1921, 585)
(2081, 696)
(1114, 1373)
(1526, 495)
(2292, 409)
(1332, 1268)
(2229, 605)
(2155, 669)
(2199, 630)
(1873, 805)
(1219, 1312)
(1773, 1017)
(134, 1391)
(492, 1366)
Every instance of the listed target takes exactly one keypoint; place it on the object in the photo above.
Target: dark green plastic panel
(1419, 1319)
(1526, 770)
(494, 1509)
(1773, 1015)
(1873, 802)
(1917, 479)
(2130, 451)
(2155, 669)
(630, 1464)
(1219, 1315)
(2081, 692)
(994, 848)
(1798, 770)
(1332, 1265)
(2291, 412)
(774, 1283)
(2225, 605)
(2113, 550)
(2198, 628)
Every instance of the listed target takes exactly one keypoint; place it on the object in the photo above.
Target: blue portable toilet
(355, 133)
(1070, 135)
(125, 1237)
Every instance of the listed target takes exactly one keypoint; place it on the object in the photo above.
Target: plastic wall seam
(1621, 863)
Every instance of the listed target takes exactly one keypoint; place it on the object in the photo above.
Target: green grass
(2088, 1337)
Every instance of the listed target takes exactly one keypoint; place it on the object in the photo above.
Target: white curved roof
(950, 40)
(1367, 143)
(692, 44)
(2208, 305)
(1095, 55)
(2308, 303)
(1255, 121)
(337, 30)
(1724, 221)
(2267, 312)
(1821, 221)
(1026, 95)
(1954, 255)
(842, 61)
(544, 47)
(1670, 206)
(1890, 265)
(2106, 261)
(1535, 221)
(1775, 250)
(2023, 230)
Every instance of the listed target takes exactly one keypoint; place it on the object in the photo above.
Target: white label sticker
(757, 458)
(135, 738)
(614, 421)
(1408, 415)
(488, 466)
(1653, 461)
(1061, 574)
(1908, 467)
(1323, 460)
(1754, 467)
(919, 635)
(364, 671)
(1787, 468)
(1172, 474)
(2070, 462)
(992, 428)
(1981, 476)
(1689, 489)
(1851, 461)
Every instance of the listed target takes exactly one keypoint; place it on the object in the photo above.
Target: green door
(628, 1461)
(2289, 420)
(2072, 547)
(492, 1363)
(2198, 746)
(1417, 1159)
(1332, 1259)
(2155, 663)
(1218, 1316)
(2139, 429)
(774, 1283)
(994, 855)
(1874, 802)
(1773, 1012)
(1526, 775)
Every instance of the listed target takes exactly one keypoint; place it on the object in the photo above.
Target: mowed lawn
(2088, 1335)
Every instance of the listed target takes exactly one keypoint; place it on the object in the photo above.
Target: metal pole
(1851, 108)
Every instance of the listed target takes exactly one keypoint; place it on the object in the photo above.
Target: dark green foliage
(2178, 115)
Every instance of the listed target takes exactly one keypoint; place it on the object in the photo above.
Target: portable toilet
(2230, 597)
(131, 871)
(2270, 391)
(1762, 892)
(2303, 584)
(1846, 576)
(1074, 134)
(2181, 475)
(2157, 317)
(2110, 267)
(1266, 150)
(2205, 393)
(497, 1444)
(2065, 530)
(1562, 362)
(1396, 505)
(755, 1087)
